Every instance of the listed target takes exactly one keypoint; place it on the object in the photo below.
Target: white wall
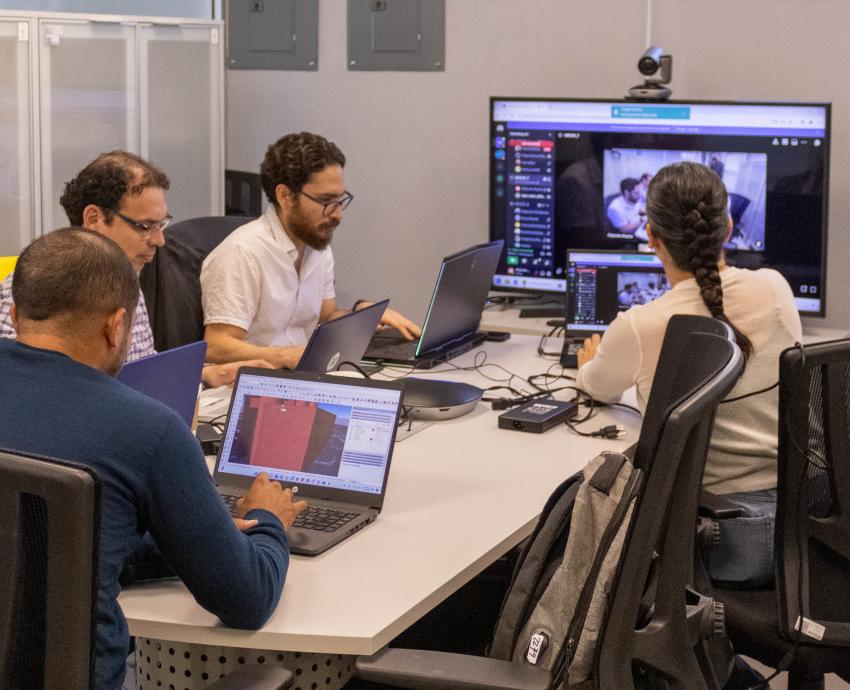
(417, 142)
(773, 50)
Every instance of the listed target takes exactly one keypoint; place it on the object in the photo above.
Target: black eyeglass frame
(342, 202)
(144, 228)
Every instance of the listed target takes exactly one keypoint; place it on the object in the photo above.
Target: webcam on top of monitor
(653, 88)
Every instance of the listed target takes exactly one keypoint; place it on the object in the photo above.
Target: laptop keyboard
(390, 343)
(312, 517)
(323, 519)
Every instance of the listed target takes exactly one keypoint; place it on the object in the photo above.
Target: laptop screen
(310, 431)
(601, 284)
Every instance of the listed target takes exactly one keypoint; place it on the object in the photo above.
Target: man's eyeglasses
(329, 206)
(144, 228)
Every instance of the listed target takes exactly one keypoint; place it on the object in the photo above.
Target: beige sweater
(742, 456)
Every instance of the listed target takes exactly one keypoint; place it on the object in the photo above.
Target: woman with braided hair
(687, 224)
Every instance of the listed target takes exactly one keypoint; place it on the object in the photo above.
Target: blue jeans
(745, 555)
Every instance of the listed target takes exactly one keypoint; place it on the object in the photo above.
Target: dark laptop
(330, 438)
(601, 284)
(173, 377)
(451, 323)
(343, 339)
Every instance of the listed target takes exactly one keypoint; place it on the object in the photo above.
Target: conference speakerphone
(537, 416)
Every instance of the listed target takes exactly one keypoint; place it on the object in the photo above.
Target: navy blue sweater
(154, 479)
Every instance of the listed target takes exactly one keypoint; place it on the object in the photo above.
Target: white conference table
(461, 493)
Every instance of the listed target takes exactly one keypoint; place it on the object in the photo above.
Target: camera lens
(647, 66)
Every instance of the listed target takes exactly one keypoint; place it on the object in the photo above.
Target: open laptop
(601, 284)
(330, 438)
(451, 323)
(343, 339)
(172, 377)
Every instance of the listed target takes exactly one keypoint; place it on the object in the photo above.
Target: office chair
(812, 538)
(171, 282)
(49, 539)
(657, 627)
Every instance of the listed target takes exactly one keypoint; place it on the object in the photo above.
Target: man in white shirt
(626, 213)
(267, 285)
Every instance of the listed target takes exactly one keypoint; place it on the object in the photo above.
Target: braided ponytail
(687, 210)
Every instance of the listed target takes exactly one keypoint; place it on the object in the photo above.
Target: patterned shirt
(141, 345)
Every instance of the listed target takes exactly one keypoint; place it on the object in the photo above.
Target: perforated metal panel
(396, 35)
(273, 34)
(179, 666)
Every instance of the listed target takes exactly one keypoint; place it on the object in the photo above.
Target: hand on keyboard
(268, 495)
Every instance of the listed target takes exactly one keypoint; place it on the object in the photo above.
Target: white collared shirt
(250, 281)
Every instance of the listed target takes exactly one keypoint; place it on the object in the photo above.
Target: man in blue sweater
(75, 294)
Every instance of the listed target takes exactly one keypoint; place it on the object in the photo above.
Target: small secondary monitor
(601, 284)
(574, 173)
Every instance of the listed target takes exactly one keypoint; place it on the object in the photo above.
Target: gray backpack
(557, 602)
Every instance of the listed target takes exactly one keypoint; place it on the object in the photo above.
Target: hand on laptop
(215, 375)
(588, 350)
(271, 496)
(392, 319)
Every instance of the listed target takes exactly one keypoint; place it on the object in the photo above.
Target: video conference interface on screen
(602, 284)
(304, 432)
(575, 173)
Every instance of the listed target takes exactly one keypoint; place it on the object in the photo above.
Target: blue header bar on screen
(740, 119)
(651, 112)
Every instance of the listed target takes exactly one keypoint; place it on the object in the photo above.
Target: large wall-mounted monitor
(573, 173)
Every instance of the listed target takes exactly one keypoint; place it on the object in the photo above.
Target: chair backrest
(171, 282)
(669, 386)
(648, 623)
(49, 536)
(813, 499)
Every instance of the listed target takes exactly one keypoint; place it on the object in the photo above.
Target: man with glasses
(268, 284)
(122, 197)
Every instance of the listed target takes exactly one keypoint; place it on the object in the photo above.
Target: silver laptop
(341, 340)
(329, 438)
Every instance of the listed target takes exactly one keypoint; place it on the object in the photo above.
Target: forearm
(223, 348)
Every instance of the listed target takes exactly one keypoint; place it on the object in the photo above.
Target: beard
(315, 236)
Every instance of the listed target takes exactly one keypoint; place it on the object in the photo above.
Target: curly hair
(292, 159)
(106, 180)
(687, 209)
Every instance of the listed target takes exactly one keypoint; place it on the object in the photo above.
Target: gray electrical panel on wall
(273, 34)
(397, 35)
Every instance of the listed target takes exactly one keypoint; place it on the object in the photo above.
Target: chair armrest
(255, 677)
(415, 668)
(717, 507)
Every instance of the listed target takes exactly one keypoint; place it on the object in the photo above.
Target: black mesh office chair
(49, 536)
(812, 540)
(659, 630)
(171, 282)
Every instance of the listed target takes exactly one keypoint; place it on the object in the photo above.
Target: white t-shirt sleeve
(616, 215)
(616, 365)
(788, 313)
(231, 287)
(329, 289)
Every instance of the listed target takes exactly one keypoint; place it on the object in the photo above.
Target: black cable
(750, 395)
(788, 660)
(356, 367)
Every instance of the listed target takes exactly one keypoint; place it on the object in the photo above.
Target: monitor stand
(548, 307)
